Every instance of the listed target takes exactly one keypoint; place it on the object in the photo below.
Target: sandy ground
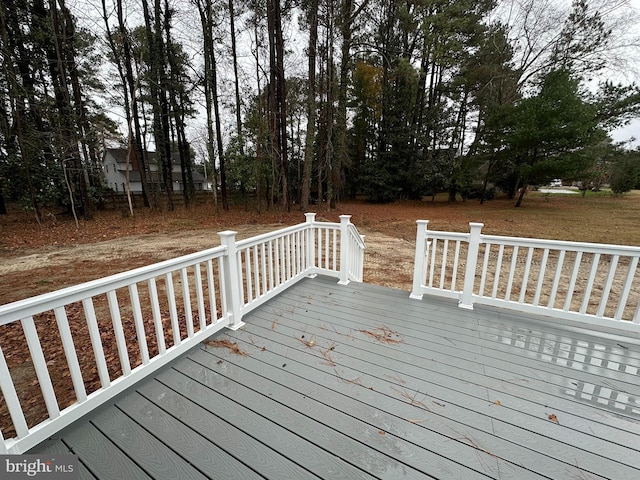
(388, 260)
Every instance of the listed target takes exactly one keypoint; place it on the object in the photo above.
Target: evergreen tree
(625, 172)
(547, 129)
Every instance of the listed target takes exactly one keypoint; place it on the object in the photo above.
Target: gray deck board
(444, 419)
(560, 377)
(176, 386)
(101, 457)
(481, 412)
(199, 434)
(525, 387)
(151, 454)
(458, 394)
(391, 455)
(54, 447)
(466, 345)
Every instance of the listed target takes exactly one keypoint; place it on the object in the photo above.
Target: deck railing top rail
(77, 347)
(596, 284)
(14, 311)
(587, 247)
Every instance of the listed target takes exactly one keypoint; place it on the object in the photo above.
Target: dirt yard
(37, 258)
(388, 260)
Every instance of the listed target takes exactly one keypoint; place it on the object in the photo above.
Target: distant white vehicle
(557, 182)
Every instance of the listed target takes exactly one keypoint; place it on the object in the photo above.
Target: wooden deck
(359, 381)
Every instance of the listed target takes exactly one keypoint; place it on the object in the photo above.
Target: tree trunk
(205, 8)
(58, 69)
(311, 106)
(157, 87)
(216, 110)
(20, 85)
(347, 17)
(163, 139)
(329, 151)
(130, 98)
(206, 19)
(235, 77)
(178, 114)
(260, 137)
(3, 205)
(485, 182)
(278, 102)
(79, 107)
(523, 190)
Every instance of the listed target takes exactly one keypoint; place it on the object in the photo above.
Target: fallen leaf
(497, 402)
(381, 432)
(553, 418)
(383, 334)
(226, 343)
(309, 343)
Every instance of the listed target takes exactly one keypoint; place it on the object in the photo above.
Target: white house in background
(115, 173)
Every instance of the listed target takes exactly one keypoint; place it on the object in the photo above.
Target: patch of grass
(597, 217)
(600, 218)
(184, 223)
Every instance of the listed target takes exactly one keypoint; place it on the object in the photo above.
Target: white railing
(89, 342)
(591, 283)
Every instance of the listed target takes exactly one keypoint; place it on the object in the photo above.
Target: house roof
(134, 176)
(120, 155)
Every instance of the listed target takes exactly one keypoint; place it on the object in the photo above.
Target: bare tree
(124, 64)
(312, 19)
(278, 98)
(588, 34)
(205, 10)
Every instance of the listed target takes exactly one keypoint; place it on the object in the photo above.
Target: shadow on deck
(357, 381)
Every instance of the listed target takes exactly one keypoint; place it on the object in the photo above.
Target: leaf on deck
(383, 334)
(354, 381)
(326, 354)
(226, 343)
(411, 399)
(308, 343)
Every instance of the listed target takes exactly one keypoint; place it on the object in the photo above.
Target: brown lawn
(37, 258)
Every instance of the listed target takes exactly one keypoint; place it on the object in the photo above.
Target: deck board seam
(393, 414)
(386, 380)
(417, 313)
(397, 348)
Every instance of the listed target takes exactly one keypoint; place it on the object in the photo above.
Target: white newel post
(420, 260)
(472, 261)
(311, 241)
(344, 249)
(232, 279)
(361, 262)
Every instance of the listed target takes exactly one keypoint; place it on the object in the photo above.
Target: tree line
(311, 100)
